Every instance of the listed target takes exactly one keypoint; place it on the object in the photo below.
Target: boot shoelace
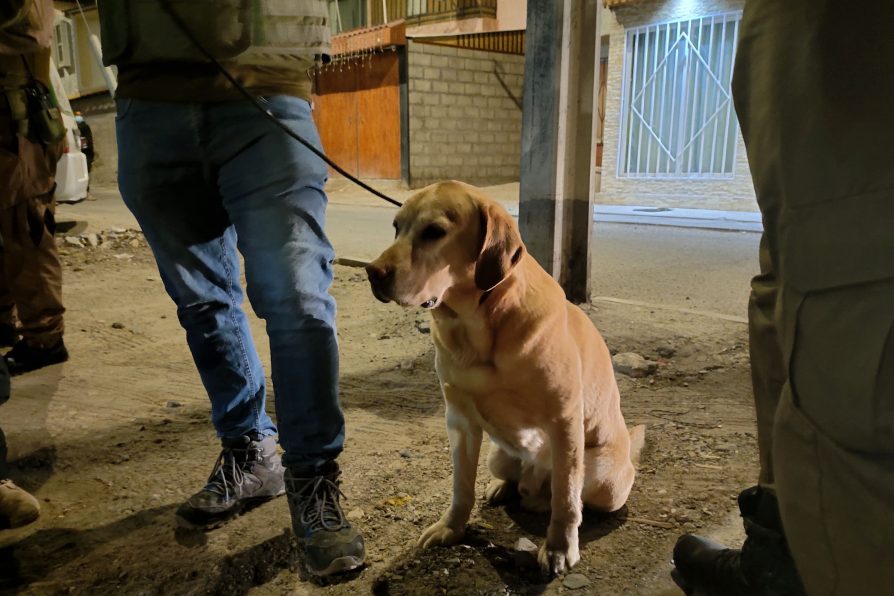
(228, 471)
(321, 509)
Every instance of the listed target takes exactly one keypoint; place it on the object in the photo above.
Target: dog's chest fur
(464, 364)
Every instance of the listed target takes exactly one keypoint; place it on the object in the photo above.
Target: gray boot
(17, 507)
(248, 472)
(331, 544)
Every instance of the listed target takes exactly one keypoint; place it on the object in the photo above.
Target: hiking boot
(331, 544)
(763, 567)
(23, 358)
(247, 473)
(17, 507)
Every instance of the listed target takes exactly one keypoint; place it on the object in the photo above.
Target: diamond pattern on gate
(687, 58)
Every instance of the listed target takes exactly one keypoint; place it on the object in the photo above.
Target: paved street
(680, 268)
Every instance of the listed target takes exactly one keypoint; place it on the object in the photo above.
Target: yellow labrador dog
(516, 360)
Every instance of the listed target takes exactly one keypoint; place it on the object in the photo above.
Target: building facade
(671, 136)
(428, 90)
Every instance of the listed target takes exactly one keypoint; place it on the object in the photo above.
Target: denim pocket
(122, 107)
(286, 107)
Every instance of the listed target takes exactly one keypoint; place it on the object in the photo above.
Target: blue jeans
(206, 180)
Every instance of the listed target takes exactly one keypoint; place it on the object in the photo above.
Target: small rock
(135, 243)
(117, 325)
(173, 404)
(405, 453)
(92, 240)
(525, 545)
(407, 365)
(665, 351)
(576, 581)
(525, 555)
(73, 240)
(633, 365)
(355, 514)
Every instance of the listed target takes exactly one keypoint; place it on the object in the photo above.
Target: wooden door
(357, 110)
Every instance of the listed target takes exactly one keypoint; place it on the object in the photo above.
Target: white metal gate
(678, 118)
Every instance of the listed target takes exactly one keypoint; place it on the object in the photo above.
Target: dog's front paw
(499, 492)
(554, 561)
(440, 534)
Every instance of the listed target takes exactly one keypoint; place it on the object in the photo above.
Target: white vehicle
(72, 176)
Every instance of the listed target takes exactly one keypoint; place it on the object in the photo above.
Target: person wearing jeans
(208, 178)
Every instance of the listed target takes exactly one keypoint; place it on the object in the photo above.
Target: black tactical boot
(763, 567)
(248, 472)
(331, 544)
(23, 358)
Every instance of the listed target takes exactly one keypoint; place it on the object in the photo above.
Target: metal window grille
(416, 7)
(678, 117)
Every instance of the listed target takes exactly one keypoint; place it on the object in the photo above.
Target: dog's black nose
(378, 272)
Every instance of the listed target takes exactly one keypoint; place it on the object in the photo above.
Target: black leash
(179, 22)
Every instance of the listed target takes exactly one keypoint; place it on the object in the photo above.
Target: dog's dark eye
(432, 232)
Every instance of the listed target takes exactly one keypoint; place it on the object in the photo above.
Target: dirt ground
(112, 441)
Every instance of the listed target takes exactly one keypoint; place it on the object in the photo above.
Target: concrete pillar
(557, 182)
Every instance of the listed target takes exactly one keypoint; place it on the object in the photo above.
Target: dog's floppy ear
(501, 247)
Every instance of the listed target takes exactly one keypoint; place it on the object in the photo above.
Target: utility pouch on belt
(44, 119)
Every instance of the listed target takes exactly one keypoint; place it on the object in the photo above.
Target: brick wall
(463, 124)
(736, 193)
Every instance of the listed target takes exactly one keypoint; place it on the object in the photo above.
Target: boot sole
(20, 369)
(339, 565)
(214, 522)
(21, 522)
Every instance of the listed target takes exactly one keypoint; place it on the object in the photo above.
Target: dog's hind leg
(506, 471)
(608, 477)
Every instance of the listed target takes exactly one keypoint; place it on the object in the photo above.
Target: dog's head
(447, 236)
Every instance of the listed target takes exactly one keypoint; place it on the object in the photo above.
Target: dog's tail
(637, 441)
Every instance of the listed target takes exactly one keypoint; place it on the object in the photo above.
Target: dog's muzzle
(380, 281)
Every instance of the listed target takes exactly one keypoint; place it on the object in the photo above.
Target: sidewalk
(106, 210)
(343, 191)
